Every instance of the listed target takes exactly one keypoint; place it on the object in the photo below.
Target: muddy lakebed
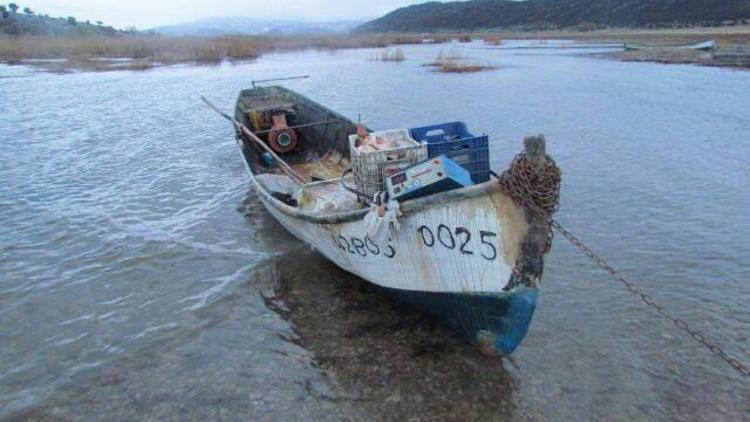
(141, 278)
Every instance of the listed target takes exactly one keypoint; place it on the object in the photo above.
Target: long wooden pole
(304, 125)
(284, 166)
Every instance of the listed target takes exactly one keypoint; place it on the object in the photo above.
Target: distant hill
(556, 14)
(214, 26)
(14, 21)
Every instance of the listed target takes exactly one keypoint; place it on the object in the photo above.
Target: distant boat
(701, 46)
(632, 47)
(471, 255)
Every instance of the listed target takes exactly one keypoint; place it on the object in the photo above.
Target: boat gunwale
(412, 205)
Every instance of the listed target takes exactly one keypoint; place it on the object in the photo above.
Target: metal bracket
(279, 79)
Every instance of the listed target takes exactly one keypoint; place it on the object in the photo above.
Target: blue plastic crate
(441, 133)
(455, 142)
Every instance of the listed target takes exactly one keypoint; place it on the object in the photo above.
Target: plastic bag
(379, 229)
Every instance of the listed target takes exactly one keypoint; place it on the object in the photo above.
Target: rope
(538, 188)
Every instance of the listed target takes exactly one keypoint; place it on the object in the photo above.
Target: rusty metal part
(537, 183)
(281, 138)
(240, 128)
(527, 185)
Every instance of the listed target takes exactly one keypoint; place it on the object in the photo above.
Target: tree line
(17, 21)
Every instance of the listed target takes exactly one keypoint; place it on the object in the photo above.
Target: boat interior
(307, 136)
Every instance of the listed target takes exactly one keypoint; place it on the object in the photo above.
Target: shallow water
(140, 276)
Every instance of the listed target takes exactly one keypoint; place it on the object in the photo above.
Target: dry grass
(728, 34)
(84, 51)
(148, 51)
(438, 39)
(493, 40)
(144, 52)
(396, 55)
(453, 62)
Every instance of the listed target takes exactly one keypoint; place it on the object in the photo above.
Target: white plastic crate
(371, 168)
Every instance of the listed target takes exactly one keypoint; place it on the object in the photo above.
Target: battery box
(435, 175)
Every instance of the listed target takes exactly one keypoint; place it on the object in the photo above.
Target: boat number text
(460, 240)
(362, 247)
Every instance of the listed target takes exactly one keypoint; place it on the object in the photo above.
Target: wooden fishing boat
(472, 256)
(707, 45)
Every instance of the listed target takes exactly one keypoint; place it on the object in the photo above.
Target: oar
(284, 166)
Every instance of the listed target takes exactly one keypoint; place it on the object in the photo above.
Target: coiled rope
(537, 186)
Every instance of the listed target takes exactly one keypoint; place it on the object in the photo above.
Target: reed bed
(453, 62)
(396, 55)
(493, 40)
(91, 52)
(144, 51)
(157, 49)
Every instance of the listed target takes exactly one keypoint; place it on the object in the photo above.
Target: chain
(541, 196)
(697, 336)
(534, 183)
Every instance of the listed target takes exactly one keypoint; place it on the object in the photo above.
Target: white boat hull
(467, 246)
(470, 255)
(455, 260)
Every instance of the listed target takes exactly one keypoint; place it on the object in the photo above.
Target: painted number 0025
(459, 239)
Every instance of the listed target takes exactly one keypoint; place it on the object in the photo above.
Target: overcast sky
(148, 13)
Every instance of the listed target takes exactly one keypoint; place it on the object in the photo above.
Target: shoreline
(63, 55)
(732, 44)
(106, 53)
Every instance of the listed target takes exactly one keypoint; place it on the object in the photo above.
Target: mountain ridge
(237, 25)
(476, 15)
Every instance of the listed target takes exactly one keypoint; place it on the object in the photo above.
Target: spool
(282, 140)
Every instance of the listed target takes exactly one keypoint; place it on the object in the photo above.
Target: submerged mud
(236, 361)
(392, 359)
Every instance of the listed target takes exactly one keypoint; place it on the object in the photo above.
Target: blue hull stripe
(505, 315)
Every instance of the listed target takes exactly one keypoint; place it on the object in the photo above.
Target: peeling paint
(514, 226)
(469, 254)
(468, 245)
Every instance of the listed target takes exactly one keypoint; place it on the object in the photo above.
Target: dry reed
(493, 40)
(396, 55)
(87, 52)
(453, 62)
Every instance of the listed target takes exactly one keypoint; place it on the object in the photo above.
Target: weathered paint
(468, 246)
(462, 280)
(496, 322)
(470, 255)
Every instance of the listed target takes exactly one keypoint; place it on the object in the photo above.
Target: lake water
(140, 277)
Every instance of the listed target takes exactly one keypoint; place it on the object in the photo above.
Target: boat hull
(496, 322)
(454, 259)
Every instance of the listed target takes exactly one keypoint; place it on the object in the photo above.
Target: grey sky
(149, 13)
